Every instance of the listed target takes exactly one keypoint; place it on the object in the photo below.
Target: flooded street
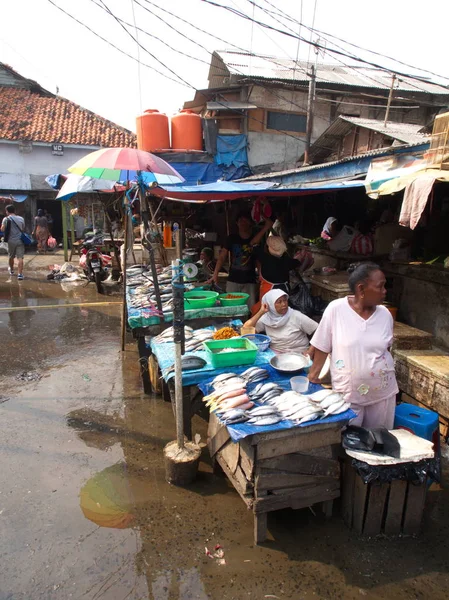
(85, 512)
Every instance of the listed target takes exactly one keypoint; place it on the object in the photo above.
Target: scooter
(94, 263)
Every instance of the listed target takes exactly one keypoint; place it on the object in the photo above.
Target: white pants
(373, 416)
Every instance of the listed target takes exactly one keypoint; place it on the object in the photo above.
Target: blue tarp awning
(228, 190)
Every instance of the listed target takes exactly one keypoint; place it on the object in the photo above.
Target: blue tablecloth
(146, 317)
(165, 356)
(243, 430)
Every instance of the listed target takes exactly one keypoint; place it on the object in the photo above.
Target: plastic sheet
(415, 472)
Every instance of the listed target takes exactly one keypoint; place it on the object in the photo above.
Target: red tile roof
(27, 115)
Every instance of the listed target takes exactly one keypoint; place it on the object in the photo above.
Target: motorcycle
(94, 263)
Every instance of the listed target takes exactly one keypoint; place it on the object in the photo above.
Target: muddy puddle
(85, 512)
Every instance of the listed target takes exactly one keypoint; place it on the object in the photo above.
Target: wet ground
(85, 512)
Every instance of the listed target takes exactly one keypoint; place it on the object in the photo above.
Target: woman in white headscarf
(288, 328)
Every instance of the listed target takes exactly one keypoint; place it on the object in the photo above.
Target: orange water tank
(152, 131)
(186, 131)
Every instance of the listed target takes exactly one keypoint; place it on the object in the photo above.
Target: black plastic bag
(301, 299)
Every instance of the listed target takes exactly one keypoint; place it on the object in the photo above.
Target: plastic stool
(420, 421)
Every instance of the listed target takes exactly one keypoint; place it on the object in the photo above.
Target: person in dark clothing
(242, 275)
(274, 265)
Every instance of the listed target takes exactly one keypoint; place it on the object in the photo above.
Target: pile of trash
(66, 272)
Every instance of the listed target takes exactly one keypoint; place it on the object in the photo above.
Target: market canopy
(229, 190)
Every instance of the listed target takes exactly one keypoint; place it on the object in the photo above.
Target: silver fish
(263, 389)
(190, 363)
(331, 399)
(261, 411)
(221, 378)
(232, 380)
(311, 417)
(334, 408)
(268, 420)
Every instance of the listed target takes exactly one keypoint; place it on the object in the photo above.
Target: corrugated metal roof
(324, 146)
(409, 133)
(377, 152)
(274, 68)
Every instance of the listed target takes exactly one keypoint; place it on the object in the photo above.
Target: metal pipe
(178, 331)
(390, 98)
(309, 128)
(64, 232)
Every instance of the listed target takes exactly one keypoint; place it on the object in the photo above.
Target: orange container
(186, 131)
(152, 131)
(167, 235)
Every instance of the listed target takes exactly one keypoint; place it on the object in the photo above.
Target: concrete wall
(39, 162)
(425, 305)
(267, 147)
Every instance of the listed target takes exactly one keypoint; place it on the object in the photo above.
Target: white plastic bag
(3, 248)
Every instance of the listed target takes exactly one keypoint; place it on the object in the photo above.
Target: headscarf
(272, 318)
(276, 246)
(40, 213)
(326, 233)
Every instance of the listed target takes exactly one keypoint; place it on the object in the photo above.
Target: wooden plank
(283, 434)
(300, 498)
(414, 507)
(260, 524)
(396, 505)
(359, 505)
(302, 463)
(348, 493)
(375, 509)
(297, 443)
(154, 373)
(247, 498)
(230, 453)
(213, 426)
(247, 459)
(275, 481)
(218, 440)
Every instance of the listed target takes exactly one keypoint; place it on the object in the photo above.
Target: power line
(160, 39)
(320, 46)
(111, 44)
(186, 83)
(323, 33)
(143, 47)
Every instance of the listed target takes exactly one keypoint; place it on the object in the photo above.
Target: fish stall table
(144, 323)
(282, 465)
(192, 395)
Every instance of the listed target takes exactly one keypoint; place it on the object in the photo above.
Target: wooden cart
(290, 468)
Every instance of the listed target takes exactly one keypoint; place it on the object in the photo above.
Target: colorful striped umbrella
(124, 165)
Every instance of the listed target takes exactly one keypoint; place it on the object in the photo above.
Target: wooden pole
(390, 98)
(72, 229)
(64, 232)
(125, 243)
(309, 128)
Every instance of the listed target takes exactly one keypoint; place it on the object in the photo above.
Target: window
(286, 121)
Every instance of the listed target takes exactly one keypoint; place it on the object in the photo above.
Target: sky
(42, 43)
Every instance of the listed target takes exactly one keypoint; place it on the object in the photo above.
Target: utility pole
(310, 102)
(390, 98)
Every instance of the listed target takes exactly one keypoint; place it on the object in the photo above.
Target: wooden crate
(292, 468)
(424, 375)
(390, 508)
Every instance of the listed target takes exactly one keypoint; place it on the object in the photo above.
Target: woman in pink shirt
(357, 331)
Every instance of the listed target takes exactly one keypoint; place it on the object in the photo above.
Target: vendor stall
(287, 464)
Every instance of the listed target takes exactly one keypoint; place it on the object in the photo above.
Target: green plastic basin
(199, 299)
(244, 352)
(242, 299)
